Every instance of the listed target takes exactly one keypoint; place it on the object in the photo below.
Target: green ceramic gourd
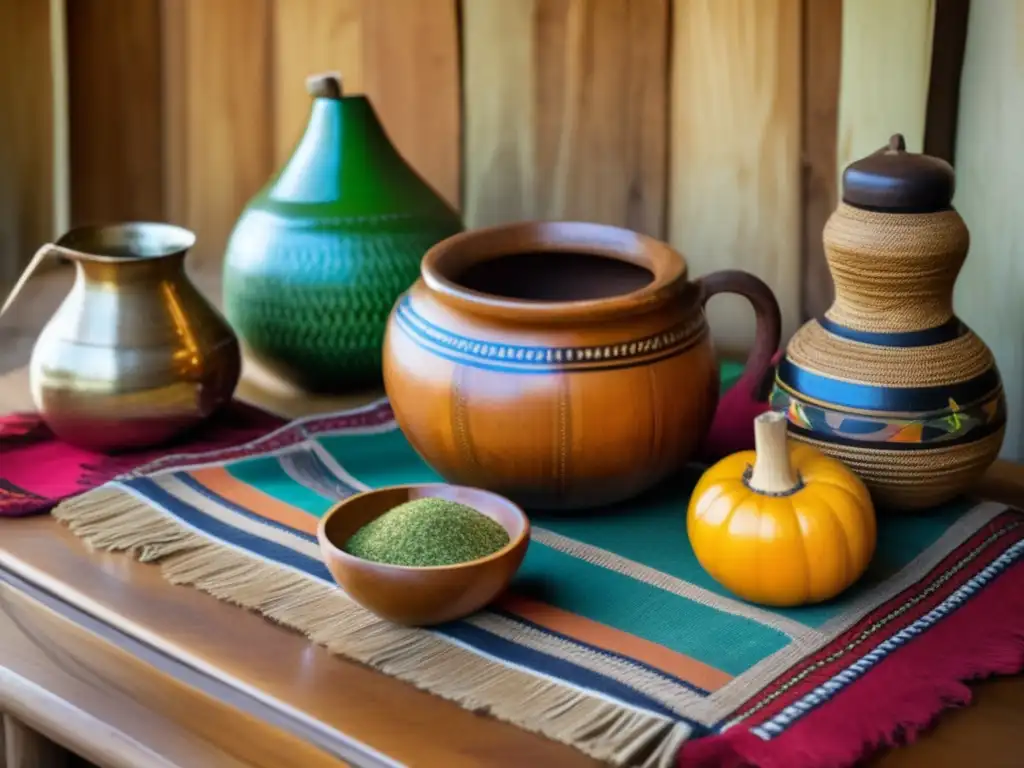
(323, 251)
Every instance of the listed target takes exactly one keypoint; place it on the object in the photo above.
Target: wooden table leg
(24, 748)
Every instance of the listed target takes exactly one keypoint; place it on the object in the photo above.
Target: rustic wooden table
(99, 654)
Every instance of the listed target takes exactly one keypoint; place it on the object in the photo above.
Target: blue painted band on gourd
(867, 397)
(950, 330)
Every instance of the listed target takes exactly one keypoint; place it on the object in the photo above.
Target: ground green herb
(426, 532)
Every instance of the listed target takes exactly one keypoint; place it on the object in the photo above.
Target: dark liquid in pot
(554, 276)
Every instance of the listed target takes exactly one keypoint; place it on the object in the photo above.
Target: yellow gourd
(781, 525)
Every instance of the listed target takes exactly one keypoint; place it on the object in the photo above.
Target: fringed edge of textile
(113, 520)
(892, 703)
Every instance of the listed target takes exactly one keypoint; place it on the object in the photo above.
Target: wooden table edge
(90, 616)
(76, 639)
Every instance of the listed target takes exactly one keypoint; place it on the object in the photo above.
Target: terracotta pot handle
(766, 312)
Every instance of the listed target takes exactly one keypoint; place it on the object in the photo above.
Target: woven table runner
(612, 638)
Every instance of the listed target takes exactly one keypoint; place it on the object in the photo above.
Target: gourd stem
(772, 473)
(325, 85)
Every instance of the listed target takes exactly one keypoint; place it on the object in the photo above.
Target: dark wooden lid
(897, 181)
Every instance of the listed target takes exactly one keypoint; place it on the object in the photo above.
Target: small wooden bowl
(430, 595)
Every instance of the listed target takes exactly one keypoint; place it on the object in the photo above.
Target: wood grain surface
(822, 35)
(886, 65)
(261, 663)
(565, 111)
(115, 102)
(990, 168)
(85, 686)
(403, 54)
(216, 60)
(735, 150)
(33, 131)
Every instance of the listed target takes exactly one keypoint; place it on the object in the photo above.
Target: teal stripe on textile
(652, 530)
(379, 459)
(728, 374)
(726, 642)
(267, 474)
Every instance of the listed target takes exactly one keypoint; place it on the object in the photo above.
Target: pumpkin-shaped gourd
(781, 525)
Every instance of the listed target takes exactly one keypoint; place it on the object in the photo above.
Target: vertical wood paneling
(218, 127)
(989, 195)
(116, 110)
(565, 111)
(735, 185)
(822, 51)
(310, 36)
(33, 131)
(403, 54)
(887, 56)
(411, 72)
(949, 41)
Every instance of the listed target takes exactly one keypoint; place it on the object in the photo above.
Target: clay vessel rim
(456, 253)
(146, 241)
(515, 538)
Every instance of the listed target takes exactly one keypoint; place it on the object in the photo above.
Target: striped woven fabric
(612, 639)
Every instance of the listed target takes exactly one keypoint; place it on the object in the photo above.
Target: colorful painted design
(856, 396)
(954, 424)
(515, 358)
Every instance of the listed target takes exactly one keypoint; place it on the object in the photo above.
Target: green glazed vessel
(323, 251)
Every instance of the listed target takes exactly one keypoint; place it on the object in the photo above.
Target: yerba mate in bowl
(419, 595)
(427, 532)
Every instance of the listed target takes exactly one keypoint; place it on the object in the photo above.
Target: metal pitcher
(135, 355)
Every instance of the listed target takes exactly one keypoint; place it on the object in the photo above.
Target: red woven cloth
(37, 470)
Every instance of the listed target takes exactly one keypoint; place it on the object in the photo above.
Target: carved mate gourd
(890, 380)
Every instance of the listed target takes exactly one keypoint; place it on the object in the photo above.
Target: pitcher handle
(47, 250)
(767, 316)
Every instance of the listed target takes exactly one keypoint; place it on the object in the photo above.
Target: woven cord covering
(894, 272)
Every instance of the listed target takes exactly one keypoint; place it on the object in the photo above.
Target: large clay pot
(564, 365)
(889, 380)
(320, 254)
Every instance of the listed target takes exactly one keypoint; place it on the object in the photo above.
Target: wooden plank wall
(404, 54)
(822, 47)
(721, 126)
(565, 108)
(116, 109)
(217, 64)
(886, 66)
(735, 148)
(990, 195)
(34, 177)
